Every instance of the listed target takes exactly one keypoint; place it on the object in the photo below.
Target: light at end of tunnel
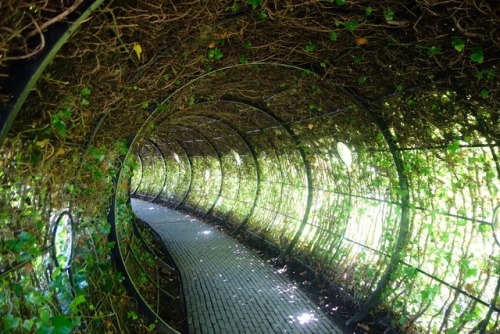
(344, 153)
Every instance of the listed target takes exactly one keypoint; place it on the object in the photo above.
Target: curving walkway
(227, 288)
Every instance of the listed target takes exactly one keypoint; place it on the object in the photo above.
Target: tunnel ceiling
(361, 137)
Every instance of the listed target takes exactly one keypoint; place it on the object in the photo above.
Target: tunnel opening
(358, 138)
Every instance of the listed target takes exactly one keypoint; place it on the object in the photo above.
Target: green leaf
(247, 45)
(310, 47)
(368, 11)
(333, 36)
(28, 324)
(62, 325)
(477, 55)
(479, 76)
(254, 3)
(351, 25)
(132, 315)
(399, 88)
(458, 43)
(10, 322)
(215, 54)
(389, 14)
(485, 93)
(471, 272)
(64, 113)
(361, 79)
(243, 59)
(262, 15)
(491, 74)
(44, 329)
(434, 50)
(340, 2)
(84, 101)
(86, 91)
(76, 302)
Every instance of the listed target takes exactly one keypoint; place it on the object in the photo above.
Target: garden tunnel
(358, 138)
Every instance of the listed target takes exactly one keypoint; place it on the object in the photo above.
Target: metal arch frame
(120, 260)
(254, 158)
(140, 179)
(190, 184)
(276, 210)
(307, 168)
(346, 222)
(165, 168)
(142, 169)
(361, 102)
(484, 129)
(217, 153)
(189, 163)
(53, 239)
(404, 224)
(188, 191)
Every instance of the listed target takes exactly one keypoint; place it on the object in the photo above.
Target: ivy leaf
(485, 93)
(28, 324)
(10, 322)
(351, 25)
(389, 14)
(254, 3)
(310, 47)
(86, 91)
(333, 36)
(215, 54)
(433, 51)
(491, 74)
(76, 302)
(477, 55)
(458, 43)
(243, 59)
(62, 325)
(471, 272)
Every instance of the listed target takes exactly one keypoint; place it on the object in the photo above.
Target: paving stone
(230, 289)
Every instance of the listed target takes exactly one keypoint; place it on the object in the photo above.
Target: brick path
(227, 288)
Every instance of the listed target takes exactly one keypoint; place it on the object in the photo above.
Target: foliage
(430, 76)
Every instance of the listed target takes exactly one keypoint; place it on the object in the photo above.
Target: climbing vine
(284, 76)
